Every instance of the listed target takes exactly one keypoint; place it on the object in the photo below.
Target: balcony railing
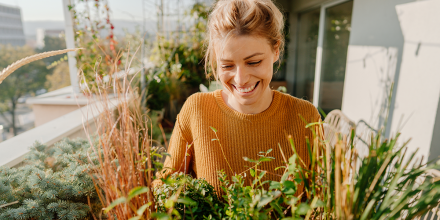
(70, 125)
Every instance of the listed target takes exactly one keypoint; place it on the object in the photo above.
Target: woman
(214, 131)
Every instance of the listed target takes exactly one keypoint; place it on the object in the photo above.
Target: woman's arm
(180, 151)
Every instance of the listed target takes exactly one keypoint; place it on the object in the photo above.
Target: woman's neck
(261, 105)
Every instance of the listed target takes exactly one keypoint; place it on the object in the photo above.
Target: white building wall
(375, 35)
(383, 49)
(417, 99)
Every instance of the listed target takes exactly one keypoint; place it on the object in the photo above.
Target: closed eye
(254, 63)
(226, 67)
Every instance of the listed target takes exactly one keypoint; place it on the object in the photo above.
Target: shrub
(54, 183)
(196, 200)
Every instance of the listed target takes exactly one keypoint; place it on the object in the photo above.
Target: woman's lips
(247, 90)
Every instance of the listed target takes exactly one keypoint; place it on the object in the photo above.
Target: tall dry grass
(14, 66)
(124, 174)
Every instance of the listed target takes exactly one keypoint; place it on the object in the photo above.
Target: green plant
(337, 185)
(54, 183)
(267, 199)
(93, 30)
(386, 186)
(178, 69)
(196, 198)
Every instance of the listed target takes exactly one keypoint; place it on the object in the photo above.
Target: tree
(25, 80)
(51, 44)
(59, 78)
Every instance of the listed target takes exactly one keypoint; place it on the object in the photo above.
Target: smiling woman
(214, 131)
(246, 69)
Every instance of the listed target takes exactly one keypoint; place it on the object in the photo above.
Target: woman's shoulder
(299, 106)
(201, 98)
(198, 101)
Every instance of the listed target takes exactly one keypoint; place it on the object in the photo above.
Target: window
(323, 36)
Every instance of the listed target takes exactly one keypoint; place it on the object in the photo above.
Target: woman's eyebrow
(255, 54)
(224, 60)
(246, 58)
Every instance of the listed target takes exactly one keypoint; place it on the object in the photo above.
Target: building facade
(376, 60)
(11, 26)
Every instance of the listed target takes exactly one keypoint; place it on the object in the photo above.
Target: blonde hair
(231, 18)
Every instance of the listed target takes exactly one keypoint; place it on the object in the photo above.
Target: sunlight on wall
(418, 89)
(369, 73)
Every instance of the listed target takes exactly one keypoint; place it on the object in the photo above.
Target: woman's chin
(246, 99)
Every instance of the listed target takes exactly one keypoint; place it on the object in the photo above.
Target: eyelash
(252, 64)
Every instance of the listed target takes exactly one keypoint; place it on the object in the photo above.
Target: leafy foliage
(93, 29)
(386, 185)
(178, 64)
(53, 184)
(196, 199)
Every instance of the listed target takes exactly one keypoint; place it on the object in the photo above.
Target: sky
(37, 10)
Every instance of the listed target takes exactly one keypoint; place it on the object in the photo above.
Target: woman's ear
(277, 52)
(277, 55)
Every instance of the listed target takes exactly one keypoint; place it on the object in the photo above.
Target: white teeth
(247, 89)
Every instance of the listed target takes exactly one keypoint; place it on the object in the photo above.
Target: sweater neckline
(254, 117)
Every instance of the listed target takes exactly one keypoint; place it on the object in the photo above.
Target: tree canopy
(25, 80)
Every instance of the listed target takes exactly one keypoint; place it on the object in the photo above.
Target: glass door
(323, 36)
(334, 55)
(306, 54)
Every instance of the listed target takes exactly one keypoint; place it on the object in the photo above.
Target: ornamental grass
(124, 174)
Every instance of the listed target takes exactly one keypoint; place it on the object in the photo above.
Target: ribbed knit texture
(241, 135)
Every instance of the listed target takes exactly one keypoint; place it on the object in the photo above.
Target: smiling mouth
(248, 89)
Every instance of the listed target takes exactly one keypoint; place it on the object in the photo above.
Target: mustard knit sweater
(240, 135)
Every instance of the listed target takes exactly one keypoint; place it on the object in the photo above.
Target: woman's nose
(241, 76)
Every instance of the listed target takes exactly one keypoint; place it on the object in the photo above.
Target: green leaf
(274, 185)
(160, 216)
(137, 191)
(288, 184)
(142, 209)
(252, 172)
(264, 201)
(249, 160)
(215, 130)
(303, 208)
(214, 139)
(314, 123)
(264, 159)
(169, 203)
(319, 203)
(262, 174)
(115, 203)
(187, 201)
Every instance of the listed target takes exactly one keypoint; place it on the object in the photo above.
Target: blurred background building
(11, 26)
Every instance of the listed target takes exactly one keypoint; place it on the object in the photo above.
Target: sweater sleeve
(180, 149)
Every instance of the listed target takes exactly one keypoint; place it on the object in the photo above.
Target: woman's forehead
(242, 47)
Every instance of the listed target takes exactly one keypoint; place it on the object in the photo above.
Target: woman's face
(245, 68)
